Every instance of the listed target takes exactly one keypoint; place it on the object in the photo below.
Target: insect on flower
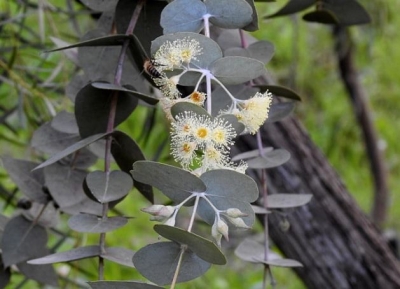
(150, 69)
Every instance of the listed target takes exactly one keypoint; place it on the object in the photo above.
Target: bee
(151, 70)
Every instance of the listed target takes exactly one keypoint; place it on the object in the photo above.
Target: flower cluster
(177, 54)
(212, 137)
(252, 112)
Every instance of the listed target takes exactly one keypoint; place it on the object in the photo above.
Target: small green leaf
(183, 16)
(202, 247)
(157, 262)
(283, 201)
(107, 187)
(92, 224)
(232, 70)
(175, 183)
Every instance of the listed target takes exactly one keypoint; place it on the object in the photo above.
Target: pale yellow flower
(184, 153)
(254, 111)
(172, 55)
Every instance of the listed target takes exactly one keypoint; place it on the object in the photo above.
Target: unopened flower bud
(235, 213)
(284, 225)
(159, 212)
(216, 235)
(238, 223)
(222, 228)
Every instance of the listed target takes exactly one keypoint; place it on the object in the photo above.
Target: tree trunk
(335, 241)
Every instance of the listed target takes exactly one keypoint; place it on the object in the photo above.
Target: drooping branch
(358, 97)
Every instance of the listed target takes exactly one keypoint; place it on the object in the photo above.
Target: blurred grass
(325, 112)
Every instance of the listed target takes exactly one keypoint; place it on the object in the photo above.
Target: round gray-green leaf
(175, 183)
(229, 14)
(279, 111)
(120, 256)
(230, 184)
(252, 251)
(261, 50)
(108, 187)
(181, 107)
(22, 241)
(251, 154)
(157, 262)
(236, 69)
(211, 50)
(271, 159)
(282, 201)
(287, 263)
(202, 247)
(94, 224)
(183, 16)
(65, 122)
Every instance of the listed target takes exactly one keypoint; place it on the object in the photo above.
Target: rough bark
(337, 243)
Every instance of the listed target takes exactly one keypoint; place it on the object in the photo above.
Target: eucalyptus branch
(111, 122)
(264, 193)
